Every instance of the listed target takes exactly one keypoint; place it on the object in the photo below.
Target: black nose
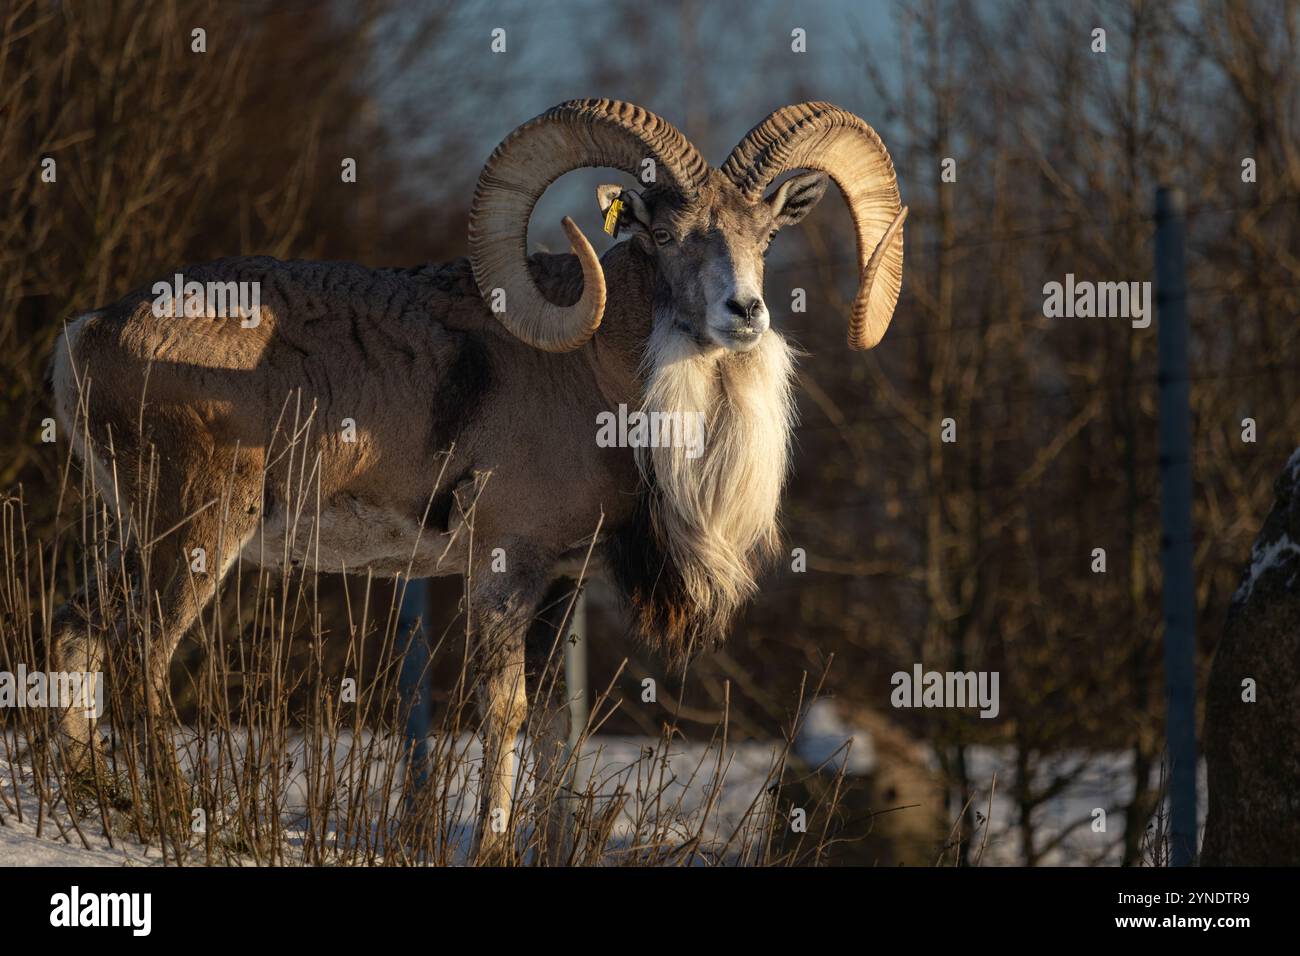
(747, 309)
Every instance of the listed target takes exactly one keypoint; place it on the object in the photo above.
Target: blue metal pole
(1176, 517)
(414, 673)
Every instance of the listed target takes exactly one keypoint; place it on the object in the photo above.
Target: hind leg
(205, 501)
(81, 633)
(219, 502)
(188, 579)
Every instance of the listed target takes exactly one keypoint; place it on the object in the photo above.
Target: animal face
(709, 252)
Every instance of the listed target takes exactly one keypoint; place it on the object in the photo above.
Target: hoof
(496, 851)
(76, 757)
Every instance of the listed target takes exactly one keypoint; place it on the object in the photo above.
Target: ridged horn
(566, 137)
(826, 138)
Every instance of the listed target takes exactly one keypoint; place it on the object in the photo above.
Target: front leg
(548, 725)
(502, 706)
(501, 607)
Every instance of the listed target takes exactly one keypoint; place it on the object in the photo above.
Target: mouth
(740, 335)
(741, 338)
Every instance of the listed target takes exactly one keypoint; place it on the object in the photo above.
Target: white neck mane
(715, 516)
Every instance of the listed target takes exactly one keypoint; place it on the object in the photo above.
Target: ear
(796, 197)
(633, 217)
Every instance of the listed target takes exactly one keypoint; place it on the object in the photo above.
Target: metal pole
(575, 688)
(413, 675)
(575, 671)
(1176, 517)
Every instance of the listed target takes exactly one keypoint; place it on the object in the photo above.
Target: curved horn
(572, 135)
(824, 137)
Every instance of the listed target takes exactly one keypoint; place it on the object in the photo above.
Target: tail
(66, 374)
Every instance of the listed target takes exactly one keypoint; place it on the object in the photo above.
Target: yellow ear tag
(611, 217)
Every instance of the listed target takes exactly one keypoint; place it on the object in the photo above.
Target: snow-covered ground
(1099, 780)
(678, 785)
(676, 782)
(1065, 822)
(29, 837)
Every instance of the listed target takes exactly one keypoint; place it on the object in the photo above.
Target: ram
(501, 364)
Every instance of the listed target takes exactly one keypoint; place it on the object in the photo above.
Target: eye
(662, 236)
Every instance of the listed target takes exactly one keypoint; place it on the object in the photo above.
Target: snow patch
(822, 738)
(36, 835)
(1266, 556)
(1293, 466)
